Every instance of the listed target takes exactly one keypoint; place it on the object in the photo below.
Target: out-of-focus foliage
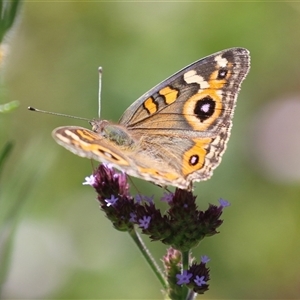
(8, 15)
(64, 247)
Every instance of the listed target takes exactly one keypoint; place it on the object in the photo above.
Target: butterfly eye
(97, 125)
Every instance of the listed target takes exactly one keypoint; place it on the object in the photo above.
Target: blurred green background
(64, 247)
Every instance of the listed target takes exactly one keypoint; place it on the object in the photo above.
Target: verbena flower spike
(181, 228)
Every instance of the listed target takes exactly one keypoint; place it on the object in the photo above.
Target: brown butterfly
(177, 132)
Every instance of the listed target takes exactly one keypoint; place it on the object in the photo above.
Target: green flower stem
(185, 265)
(185, 259)
(191, 295)
(153, 265)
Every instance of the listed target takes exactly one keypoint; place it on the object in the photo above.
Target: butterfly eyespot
(194, 159)
(204, 108)
(222, 73)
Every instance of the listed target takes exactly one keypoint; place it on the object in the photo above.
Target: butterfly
(176, 133)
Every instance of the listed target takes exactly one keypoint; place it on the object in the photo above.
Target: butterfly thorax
(114, 133)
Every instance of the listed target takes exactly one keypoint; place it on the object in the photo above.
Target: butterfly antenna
(99, 92)
(56, 114)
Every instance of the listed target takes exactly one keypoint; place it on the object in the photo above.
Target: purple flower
(112, 201)
(149, 199)
(144, 222)
(184, 278)
(167, 197)
(223, 202)
(108, 166)
(109, 182)
(122, 179)
(205, 259)
(132, 217)
(199, 280)
(139, 198)
(89, 180)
